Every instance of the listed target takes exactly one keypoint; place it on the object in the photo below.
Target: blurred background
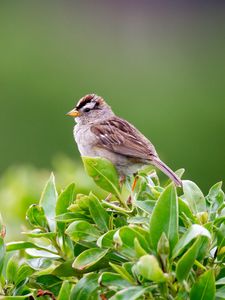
(160, 65)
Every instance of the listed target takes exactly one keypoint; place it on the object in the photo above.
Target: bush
(151, 243)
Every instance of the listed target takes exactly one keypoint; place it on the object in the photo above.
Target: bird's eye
(87, 109)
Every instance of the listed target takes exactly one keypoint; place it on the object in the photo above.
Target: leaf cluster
(156, 242)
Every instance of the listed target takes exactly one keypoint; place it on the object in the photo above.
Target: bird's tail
(166, 170)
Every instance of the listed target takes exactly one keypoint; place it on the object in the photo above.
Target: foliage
(156, 242)
(22, 184)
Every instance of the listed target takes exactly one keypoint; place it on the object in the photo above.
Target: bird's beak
(73, 113)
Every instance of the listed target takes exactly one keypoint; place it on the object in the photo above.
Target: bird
(101, 133)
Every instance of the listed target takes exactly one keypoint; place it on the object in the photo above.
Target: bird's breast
(85, 140)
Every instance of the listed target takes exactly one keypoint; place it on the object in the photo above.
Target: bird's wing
(117, 135)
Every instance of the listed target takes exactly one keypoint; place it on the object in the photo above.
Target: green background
(159, 65)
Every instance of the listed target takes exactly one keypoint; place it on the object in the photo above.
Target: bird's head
(90, 108)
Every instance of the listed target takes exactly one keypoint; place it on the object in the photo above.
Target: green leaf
(39, 263)
(204, 288)
(184, 209)
(86, 288)
(124, 241)
(82, 230)
(146, 205)
(23, 272)
(220, 234)
(11, 269)
(103, 172)
(65, 269)
(216, 196)
(113, 281)
(221, 281)
(106, 240)
(163, 248)
(88, 258)
(36, 216)
(138, 249)
(98, 213)
(123, 272)
(130, 293)
(63, 202)
(186, 262)
(37, 233)
(48, 201)
(70, 217)
(65, 199)
(193, 232)
(165, 218)
(50, 283)
(2, 254)
(22, 245)
(194, 196)
(64, 293)
(220, 293)
(138, 220)
(148, 267)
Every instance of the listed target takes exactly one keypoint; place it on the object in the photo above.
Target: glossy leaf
(65, 199)
(23, 272)
(106, 240)
(36, 216)
(123, 272)
(193, 232)
(11, 269)
(146, 205)
(64, 293)
(65, 269)
(216, 196)
(185, 210)
(220, 281)
(103, 172)
(194, 196)
(37, 233)
(163, 247)
(149, 268)
(220, 234)
(88, 258)
(98, 213)
(220, 293)
(165, 218)
(22, 245)
(113, 281)
(186, 262)
(82, 230)
(63, 202)
(204, 288)
(124, 241)
(86, 288)
(130, 293)
(69, 217)
(49, 282)
(138, 248)
(48, 201)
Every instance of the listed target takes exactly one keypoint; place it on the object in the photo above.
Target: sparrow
(100, 133)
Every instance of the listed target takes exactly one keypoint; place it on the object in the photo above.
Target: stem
(117, 208)
(59, 251)
(164, 289)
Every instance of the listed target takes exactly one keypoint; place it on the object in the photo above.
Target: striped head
(90, 108)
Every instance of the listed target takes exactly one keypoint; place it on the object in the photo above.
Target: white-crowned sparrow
(100, 133)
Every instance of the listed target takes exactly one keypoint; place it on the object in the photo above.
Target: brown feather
(119, 136)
